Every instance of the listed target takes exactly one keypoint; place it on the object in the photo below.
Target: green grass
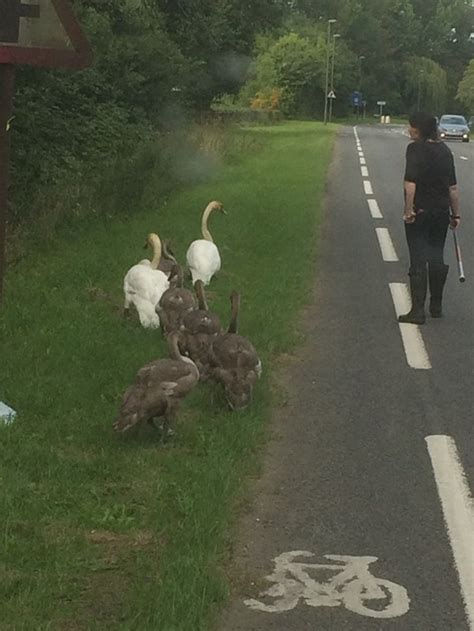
(99, 532)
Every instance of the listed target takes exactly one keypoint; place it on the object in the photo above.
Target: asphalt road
(353, 468)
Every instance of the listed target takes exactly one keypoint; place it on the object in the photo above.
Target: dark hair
(426, 124)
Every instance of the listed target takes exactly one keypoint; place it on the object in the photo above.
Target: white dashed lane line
(415, 349)
(453, 490)
(374, 209)
(364, 171)
(458, 510)
(386, 245)
(413, 344)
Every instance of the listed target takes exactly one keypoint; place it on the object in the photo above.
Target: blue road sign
(356, 98)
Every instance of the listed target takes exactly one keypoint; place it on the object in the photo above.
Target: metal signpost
(381, 104)
(328, 54)
(331, 97)
(39, 33)
(356, 100)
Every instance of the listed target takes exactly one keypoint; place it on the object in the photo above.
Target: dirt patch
(97, 294)
(9, 578)
(136, 539)
(102, 592)
(115, 547)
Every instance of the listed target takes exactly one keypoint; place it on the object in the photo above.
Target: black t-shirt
(430, 165)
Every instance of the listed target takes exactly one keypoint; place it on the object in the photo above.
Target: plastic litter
(7, 414)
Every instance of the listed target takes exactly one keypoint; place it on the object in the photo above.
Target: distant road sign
(356, 98)
(42, 33)
(332, 95)
(381, 102)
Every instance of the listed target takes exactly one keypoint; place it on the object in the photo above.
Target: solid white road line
(386, 245)
(415, 349)
(374, 209)
(368, 188)
(362, 159)
(458, 509)
(364, 171)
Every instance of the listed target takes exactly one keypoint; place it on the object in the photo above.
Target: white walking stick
(462, 278)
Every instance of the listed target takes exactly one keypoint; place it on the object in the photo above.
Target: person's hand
(454, 221)
(409, 216)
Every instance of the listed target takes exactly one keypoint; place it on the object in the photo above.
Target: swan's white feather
(203, 260)
(144, 287)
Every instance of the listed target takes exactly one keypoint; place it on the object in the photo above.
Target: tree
(424, 85)
(465, 94)
(291, 64)
(217, 37)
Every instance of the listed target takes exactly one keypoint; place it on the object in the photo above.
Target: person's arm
(454, 201)
(409, 184)
(453, 195)
(409, 214)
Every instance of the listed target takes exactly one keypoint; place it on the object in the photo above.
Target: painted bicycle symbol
(353, 586)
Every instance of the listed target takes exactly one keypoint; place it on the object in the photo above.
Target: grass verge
(103, 533)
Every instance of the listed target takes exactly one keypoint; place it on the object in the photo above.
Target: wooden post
(7, 78)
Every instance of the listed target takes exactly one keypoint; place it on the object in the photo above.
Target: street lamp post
(328, 45)
(361, 58)
(418, 101)
(334, 37)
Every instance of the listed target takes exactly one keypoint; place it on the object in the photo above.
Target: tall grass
(141, 172)
(99, 532)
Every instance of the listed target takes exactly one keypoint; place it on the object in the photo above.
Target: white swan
(144, 284)
(203, 258)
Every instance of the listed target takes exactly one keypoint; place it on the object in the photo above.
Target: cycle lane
(349, 473)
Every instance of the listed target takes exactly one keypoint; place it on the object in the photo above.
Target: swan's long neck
(205, 218)
(174, 347)
(179, 276)
(199, 285)
(156, 245)
(175, 353)
(167, 253)
(234, 313)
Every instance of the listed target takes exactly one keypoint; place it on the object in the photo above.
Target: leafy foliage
(412, 52)
(466, 88)
(155, 62)
(158, 62)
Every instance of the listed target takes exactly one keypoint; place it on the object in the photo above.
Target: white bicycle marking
(353, 586)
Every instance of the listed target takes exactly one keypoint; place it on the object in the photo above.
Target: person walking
(431, 205)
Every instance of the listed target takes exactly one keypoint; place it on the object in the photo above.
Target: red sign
(42, 33)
